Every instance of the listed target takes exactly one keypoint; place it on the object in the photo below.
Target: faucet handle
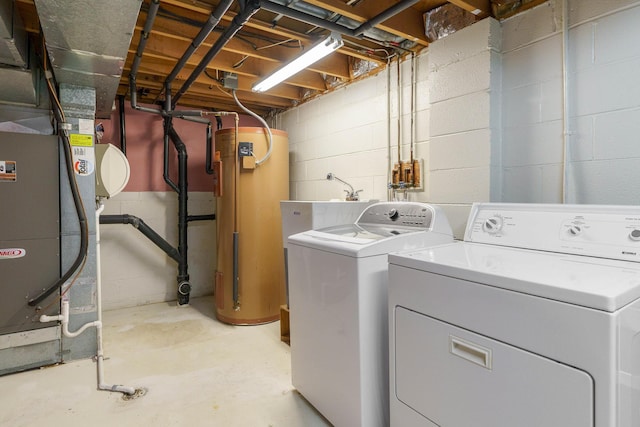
(353, 196)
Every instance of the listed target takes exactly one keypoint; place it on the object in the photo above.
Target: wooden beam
(155, 83)
(480, 8)
(225, 62)
(264, 27)
(196, 102)
(406, 24)
(161, 68)
(30, 20)
(179, 36)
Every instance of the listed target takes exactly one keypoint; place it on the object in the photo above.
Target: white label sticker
(10, 253)
(84, 160)
(86, 126)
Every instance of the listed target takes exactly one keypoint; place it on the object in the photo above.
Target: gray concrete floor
(196, 372)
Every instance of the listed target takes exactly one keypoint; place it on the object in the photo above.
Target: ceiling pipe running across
(304, 17)
(250, 9)
(211, 23)
(383, 16)
(144, 37)
(332, 26)
(304, 7)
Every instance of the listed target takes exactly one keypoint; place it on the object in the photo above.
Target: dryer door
(456, 378)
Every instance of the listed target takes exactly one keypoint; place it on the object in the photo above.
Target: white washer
(299, 216)
(338, 308)
(533, 320)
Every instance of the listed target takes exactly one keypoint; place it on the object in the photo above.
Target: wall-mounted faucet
(351, 195)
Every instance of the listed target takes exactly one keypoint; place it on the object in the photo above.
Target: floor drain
(139, 393)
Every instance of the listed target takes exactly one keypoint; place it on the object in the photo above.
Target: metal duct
(13, 37)
(87, 41)
(18, 84)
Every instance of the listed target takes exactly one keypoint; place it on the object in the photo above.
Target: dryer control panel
(594, 230)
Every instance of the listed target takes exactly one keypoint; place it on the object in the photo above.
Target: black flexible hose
(82, 220)
(75, 193)
(123, 132)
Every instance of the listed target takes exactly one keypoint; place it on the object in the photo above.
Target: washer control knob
(492, 225)
(635, 235)
(575, 230)
(393, 214)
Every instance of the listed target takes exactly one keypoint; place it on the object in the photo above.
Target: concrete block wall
(464, 76)
(356, 133)
(604, 104)
(489, 116)
(353, 132)
(134, 270)
(344, 132)
(532, 106)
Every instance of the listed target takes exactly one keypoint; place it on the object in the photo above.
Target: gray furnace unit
(29, 248)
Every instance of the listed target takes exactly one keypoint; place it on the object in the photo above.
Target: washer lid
(358, 241)
(362, 233)
(598, 283)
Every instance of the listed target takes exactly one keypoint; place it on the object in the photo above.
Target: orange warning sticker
(8, 171)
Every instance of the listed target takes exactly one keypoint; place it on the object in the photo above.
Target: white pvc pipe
(45, 319)
(64, 318)
(565, 101)
(100, 355)
(65, 322)
(390, 191)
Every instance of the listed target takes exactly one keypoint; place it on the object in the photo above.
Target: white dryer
(338, 308)
(533, 320)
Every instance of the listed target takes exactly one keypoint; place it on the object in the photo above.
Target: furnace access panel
(29, 225)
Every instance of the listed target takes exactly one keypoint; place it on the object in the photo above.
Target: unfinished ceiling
(275, 32)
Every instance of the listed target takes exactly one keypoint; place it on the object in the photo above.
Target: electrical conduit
(565, 100)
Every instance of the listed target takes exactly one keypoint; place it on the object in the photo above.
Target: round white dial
(575, 230)
(635, 235)
(493, 225)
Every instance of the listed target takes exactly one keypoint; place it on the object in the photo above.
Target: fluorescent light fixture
(317, 52)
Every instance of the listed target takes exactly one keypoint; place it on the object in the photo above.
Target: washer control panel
(407, 214)
(593, 230)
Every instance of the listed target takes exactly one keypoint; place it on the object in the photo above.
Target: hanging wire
(264, 123)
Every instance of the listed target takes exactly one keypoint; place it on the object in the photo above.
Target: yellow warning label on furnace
(78, 140)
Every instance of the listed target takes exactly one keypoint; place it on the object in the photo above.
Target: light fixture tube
(317, 52)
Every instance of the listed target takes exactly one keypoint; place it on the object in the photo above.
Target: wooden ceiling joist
(262, 45)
